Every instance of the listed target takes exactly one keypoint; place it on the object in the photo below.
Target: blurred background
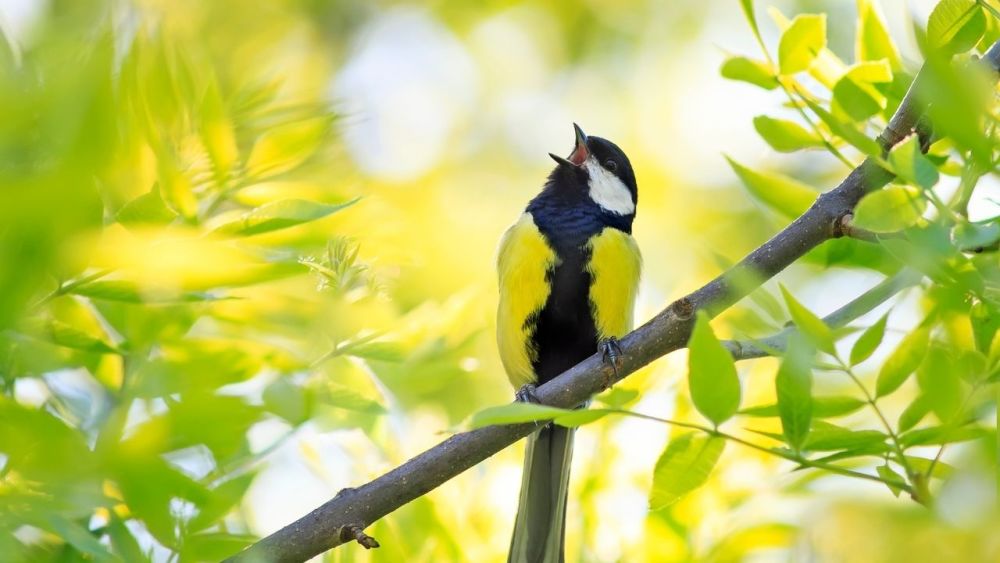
(247, 260)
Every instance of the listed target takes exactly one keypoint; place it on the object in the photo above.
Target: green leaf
(214, 546)
(914, 413)
(781, 193)
(911, 165)
(683, 467)
(147, 209)
(872, 41)
(748, 70)
(515, 413)
(280, 215)
(285, 147)
(890, 209)
(822, 407)
(784, 135)
(67, 336)
(801, 43)
(901, 363)
(955, 26)
(828, 437)
(845, 131)
(976, 235)
(938, 435)
(857, 99)
(715, 388)
(288, 400)
(618, 396)
(79, 537)
(793, 385)
(123, 542)
(811, 326)
(344, 397)
(869, 341)
(890, 478)
(941, 470)
(222, 499)
(938, 378)
(579, 417)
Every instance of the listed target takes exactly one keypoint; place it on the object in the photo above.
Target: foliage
(196, 288)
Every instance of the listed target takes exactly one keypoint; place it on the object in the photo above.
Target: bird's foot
(527, 394)
(611, 353)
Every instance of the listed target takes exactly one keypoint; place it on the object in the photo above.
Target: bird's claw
(527, 394)
(611, 353)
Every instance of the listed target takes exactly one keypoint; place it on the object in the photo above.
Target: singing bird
(569, 273)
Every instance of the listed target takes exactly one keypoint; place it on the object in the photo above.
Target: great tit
(568, 273)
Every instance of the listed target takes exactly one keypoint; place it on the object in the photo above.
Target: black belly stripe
(564, 331)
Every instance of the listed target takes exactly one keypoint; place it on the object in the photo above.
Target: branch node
(357, 533)
(683, 308)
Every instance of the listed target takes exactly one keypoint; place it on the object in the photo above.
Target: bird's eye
(611, 166)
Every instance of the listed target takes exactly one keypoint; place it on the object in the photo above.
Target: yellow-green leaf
(801, 43)
(749, 70)
(683, 467)
(869, 341)
(811, 326)
(903, 361)
(911, 166)
(890, 209)
(515, 413)
(280, 215)
(784, 135)
(283, 148)
(872, 41)
(781, 193)
(955, 26)
(793, 385)
(715, 388)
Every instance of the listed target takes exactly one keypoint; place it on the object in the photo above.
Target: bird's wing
(523, 262)
(615, 265)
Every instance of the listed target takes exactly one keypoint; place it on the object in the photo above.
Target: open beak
(580, 151)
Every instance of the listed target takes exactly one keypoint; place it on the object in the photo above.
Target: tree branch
(668, 331)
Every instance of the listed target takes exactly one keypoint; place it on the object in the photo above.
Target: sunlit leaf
(715, 388)
(280, 215)
(822, 407)
(214, 546)
(784, 135)
(683, 467)
(827, 437)
(781, 193)
(914, 413)
(903, 361)
(515, 413)
(845, 130)
(283, 148)
(937, 435)
(955, 25)
(749, 70)
(890, 477)
(289, 401)
(147, 209)
(221, 500)
(890, 209)
(939, 379)
(872, 40)
(911, 165)
(869, 341)
(811, 326)
(801, 43)
(579, 417)
(793, 386)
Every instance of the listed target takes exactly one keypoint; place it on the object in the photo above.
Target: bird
(568, 273)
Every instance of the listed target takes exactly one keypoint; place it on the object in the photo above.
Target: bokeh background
(186, 348)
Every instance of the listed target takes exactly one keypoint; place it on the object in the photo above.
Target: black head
(604, 169)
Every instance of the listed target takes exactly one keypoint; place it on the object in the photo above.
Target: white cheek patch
(607, 190)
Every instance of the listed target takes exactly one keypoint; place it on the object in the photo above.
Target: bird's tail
(541, 512)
